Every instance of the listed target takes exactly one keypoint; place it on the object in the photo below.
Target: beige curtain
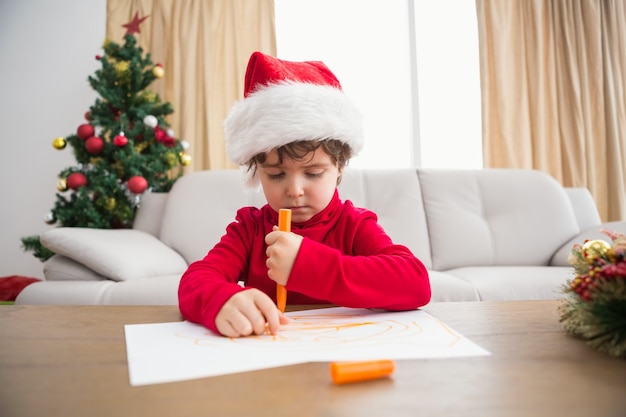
(553, 80)
(204, 46)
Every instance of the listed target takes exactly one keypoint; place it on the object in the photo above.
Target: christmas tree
(125, 148)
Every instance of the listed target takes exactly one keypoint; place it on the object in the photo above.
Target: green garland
(595, 307)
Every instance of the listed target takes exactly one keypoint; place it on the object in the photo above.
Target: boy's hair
(338, 151)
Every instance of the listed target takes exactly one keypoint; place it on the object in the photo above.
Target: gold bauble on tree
(110, 203)
(121, 68)
(59, 143)
(171, 159)
(62, 184)
(185, 159)
(158, 71)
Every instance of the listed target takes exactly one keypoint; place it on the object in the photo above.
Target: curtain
(553, 76)
(204, 46)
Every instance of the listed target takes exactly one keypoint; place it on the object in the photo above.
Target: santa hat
(286, 102)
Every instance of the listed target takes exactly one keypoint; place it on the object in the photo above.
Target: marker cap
(346, 372)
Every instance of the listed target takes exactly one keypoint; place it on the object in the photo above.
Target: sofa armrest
(591, 233)
(117, 254)
(61, 268)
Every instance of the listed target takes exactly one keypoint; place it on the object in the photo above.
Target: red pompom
(76, 180)
(94, 145)
(85, 131)
(120, 141)
(87, 115)
(137, 184)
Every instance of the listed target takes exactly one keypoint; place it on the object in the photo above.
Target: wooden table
(71, 361)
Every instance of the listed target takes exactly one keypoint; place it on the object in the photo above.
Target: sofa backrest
(585, 208)
(202, 204)
(395, 196)
(495, 217)
(199, 207)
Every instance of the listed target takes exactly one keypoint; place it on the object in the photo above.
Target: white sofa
(490, 234)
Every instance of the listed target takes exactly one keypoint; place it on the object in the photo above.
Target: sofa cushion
(65, 292)
(136, 253)
(62, 268)
(499, 283)
(446, 287)
(495, 217)
(162, 290)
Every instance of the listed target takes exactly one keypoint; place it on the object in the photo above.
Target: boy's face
(305, 185)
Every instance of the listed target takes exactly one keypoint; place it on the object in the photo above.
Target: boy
(295, 130)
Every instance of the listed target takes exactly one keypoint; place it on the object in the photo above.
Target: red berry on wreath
(137, 184)
(94, 145)
(85, 131)
(76, 180)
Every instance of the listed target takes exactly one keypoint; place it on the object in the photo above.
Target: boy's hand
(249, 312)
(282, 249)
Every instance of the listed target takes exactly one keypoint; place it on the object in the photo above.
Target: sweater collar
(320, 219)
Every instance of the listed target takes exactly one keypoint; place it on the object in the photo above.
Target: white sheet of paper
(168, 352)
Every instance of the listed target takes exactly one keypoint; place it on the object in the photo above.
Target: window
(410, 65)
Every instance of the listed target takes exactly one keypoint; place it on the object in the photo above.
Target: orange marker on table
(346, 372)
(284, 224)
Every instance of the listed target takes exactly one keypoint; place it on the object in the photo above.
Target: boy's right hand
(249, 312)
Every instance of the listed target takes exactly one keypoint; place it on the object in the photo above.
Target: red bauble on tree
(76, 180)
(120, 140)
(85, 131)
(137, 184)
(94, 145)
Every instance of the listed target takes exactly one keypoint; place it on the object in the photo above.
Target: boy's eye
(314, 174)
(275, 175)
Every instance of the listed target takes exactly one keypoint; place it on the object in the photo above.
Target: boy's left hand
(282, 249)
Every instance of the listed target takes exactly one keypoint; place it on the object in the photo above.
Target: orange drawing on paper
(328, 329)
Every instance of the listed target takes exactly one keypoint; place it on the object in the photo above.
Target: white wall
(47, 51)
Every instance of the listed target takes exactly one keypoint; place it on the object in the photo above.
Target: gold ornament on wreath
(595, 305)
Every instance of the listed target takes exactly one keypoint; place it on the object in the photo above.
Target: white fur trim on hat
(286, 112)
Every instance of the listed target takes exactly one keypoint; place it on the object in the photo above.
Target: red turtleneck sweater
(346, 258)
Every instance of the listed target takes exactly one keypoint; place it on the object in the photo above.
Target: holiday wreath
(595, 305)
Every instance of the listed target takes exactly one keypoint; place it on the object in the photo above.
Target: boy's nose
(294, 188)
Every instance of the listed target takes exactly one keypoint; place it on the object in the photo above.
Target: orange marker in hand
(284, 224)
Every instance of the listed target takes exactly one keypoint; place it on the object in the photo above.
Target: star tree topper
(133, 25)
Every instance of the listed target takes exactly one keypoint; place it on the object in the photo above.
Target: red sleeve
(209, 283)
(377, 274)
